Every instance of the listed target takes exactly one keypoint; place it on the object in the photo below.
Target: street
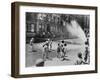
(33, 53)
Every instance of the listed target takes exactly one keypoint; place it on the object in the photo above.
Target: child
(86, 55)
(46, 50)
(80, 59)
(50, 44)
(64, 52)
(59, 50)
(45, 54)
(31, 41)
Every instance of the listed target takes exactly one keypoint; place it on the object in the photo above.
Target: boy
(80, 59)
(31, 41)
(46, 50)
(64, 52)
(59, 49)
(86, 55)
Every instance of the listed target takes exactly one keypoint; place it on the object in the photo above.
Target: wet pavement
(35, 52)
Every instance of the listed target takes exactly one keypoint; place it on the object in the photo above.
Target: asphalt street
(35, 52)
